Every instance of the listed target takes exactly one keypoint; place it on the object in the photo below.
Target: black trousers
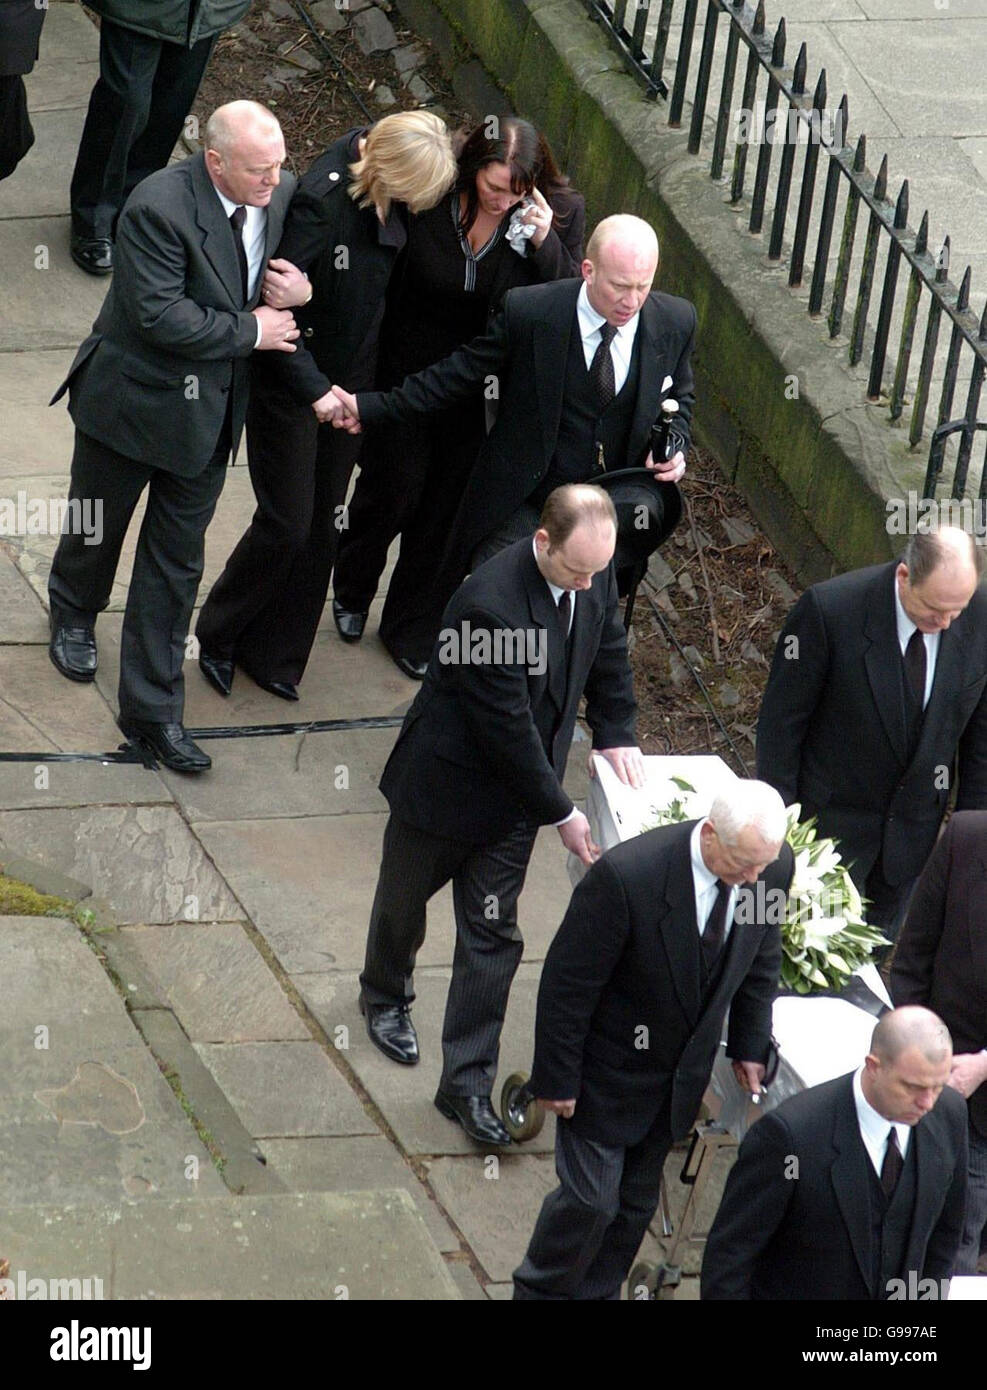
(16, 131)
(411, 483)
(167, 566)
(591, 1227)
(887, 908)
(264, 610)
(137, 108)
(486, 883)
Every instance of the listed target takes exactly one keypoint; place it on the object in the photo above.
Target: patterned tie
(716, 928)
(915, 667)
(892, 1165)
(601, 367)
(237, 218)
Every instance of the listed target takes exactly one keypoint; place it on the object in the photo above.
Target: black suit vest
(891, 1225)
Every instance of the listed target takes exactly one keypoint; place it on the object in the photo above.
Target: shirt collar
(873, 1125)
(703, 876)
(553, 589)
(590, 321)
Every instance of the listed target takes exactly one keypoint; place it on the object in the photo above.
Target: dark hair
(511, 141)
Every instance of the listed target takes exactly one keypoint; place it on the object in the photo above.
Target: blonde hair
(408, 159)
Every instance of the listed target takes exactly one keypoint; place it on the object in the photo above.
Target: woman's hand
(285, 286)
(539, 216)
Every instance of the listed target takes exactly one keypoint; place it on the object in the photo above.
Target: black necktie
(237, 218)
(915, 668)
(892, 1165)
(716, 928)
(565, 612)
(601, 367)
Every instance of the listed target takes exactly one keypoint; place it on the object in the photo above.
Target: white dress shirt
(706, 886)
(254, 236)
(905, 628)
(590, 323)
(874, 1128)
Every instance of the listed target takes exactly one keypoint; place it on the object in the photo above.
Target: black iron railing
(807, 126)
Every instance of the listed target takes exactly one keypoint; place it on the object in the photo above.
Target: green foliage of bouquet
(824, 936)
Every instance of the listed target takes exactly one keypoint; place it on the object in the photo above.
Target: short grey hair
(748, 802)
(911, 1026)
(228, 123)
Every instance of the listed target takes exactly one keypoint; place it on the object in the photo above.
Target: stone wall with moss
(777, 402)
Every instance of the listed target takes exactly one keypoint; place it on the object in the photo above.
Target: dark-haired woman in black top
(511, 219)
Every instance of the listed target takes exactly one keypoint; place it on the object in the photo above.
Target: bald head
(620, 267)
(244, 152)
(910, 1058)
(938, 576)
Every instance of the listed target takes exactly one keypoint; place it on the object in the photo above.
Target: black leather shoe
(284, 690)
(217, 671)
(414, 670)
(73, 651)
(349, 624)
(476, 1115)
(93, 254)
(167, 743)
(389, 1028)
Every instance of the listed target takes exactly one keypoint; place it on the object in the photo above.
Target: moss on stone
(21, 900)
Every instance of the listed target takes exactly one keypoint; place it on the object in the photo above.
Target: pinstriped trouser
(486, 883)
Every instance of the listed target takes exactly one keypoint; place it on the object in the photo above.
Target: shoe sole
(147, 747)
(83, 677)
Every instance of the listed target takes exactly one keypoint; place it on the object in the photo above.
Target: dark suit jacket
(627, 956)
(525, 352)
(20, 33)
(485, 743)
(777, 1236)
(173, 338)
(831, 732)
(941, 957)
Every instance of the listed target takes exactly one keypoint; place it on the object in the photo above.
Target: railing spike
(922, 240)
(843, 118)
(942, 263)
(798, 77)
(778, 51)
(963, 298)
(983, 324)
(860, 158)
(759, 19)
(901, 208)
(881, 182)
(819, 95)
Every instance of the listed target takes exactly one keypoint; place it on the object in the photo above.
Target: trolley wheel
(519, 1110)
(643, 1283)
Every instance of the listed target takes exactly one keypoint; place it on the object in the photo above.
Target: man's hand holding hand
(669, 471)
(969, 1071)
(628, 764)
(348, 416)
(577, 839)
(565, 1108)
(278, 331)
(285, 286)
(327, 408)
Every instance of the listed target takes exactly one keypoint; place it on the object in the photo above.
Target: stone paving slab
(22, 617)
(40, 706)
(494, 1205)
(311, 897)
(31, 191)
(345, 1164)
(75, 784)
(142, 860)
(280, 1089)
(404, 1094)
(216, 982)
(67, 38)
(40, 446)
(71, 298)
(85, 1113)
(319, 1245)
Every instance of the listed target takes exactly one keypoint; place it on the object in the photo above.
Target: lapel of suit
(948, 677)
(544, 613)
(678, 927)
(217, 234)
(882, 660)
(552, 333)
(851, 1180)
(651, 371)
(932, 1161)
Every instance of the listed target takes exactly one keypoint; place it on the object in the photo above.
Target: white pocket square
(666, 383)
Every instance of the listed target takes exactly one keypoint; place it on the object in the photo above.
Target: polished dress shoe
(167, 743)
(414, 670)
(477, 1117)
(93, 254)
(217, 671)
(349, 624)
(73, 651)
(284, 690)
(389, 1028)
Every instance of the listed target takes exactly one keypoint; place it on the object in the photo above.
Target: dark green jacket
(175, 21)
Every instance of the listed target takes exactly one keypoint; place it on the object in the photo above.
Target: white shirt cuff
(260, 332)
(566, 819)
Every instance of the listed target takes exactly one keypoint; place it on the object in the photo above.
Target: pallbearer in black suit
(158, 393)
(478, 767)
(346, 227)
(664, 934)
(853, 1189)
(879, 679)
